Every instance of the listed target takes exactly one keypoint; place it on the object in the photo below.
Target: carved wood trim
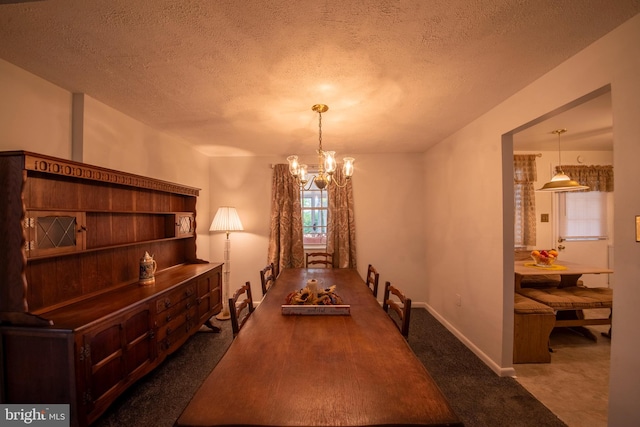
(44, 164)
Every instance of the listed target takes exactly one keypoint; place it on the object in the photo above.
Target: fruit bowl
(544, 258)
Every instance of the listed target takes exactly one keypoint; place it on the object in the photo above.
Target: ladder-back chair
(319, 259)
(237, 309)
(403, 310)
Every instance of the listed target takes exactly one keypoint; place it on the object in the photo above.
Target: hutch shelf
(76, 327)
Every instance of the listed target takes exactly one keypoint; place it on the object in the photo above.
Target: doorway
(588, 140)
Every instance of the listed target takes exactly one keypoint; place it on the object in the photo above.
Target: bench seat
(533, 323)
(571, 298)
(569, 303)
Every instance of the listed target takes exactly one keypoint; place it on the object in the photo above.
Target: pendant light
(560, 181)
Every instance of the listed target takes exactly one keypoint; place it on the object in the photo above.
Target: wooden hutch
(76, 326)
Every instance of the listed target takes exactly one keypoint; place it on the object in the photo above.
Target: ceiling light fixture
(326, 162)
(560, 181)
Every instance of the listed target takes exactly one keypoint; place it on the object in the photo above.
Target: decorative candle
(312, 285)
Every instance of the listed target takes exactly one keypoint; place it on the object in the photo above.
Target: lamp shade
(561, 182)
(226, 219)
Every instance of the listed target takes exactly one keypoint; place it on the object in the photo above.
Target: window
(583, 215)
(314, 204)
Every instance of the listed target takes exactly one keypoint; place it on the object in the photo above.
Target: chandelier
(326, 162)
(560, 181)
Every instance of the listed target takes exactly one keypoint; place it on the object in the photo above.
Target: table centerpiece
(312, 300)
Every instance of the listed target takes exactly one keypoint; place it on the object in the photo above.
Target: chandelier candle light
(326, 162)
(560, 181)
(226, 220)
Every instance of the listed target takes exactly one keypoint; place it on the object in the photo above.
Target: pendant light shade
(560, 181)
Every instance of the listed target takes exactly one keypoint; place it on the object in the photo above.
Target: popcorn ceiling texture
(240, 77)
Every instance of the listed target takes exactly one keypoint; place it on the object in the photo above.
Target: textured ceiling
(240, 77)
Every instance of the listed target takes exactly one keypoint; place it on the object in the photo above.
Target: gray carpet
(478, 396)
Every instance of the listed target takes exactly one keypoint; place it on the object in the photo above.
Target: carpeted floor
(477, 394)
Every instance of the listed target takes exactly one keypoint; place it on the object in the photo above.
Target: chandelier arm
(335, 181)
(305, 186)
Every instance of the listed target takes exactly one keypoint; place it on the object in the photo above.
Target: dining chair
(403, 310)
(267, 278)
(372, 280)
(321, 259)
(237, 309)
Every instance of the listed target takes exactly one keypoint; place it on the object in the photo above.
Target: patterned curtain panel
(524, 175)
(285, 237)
(341, 233)
(598, 178)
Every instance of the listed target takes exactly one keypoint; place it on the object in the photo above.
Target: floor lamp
(226, 220)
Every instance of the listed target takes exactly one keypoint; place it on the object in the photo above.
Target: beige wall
(471, 231)
(34, 114)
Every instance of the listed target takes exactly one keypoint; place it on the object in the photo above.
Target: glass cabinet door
(185, 224)
(52, 233)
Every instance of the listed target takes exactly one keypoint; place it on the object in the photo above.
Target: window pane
(583, 215)
(314, 216)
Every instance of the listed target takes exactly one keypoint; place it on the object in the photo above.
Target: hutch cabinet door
(54, 233)
(114, 355)
(209, 294)
(185, 224)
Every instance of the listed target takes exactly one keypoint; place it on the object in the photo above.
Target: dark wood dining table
(320, 370)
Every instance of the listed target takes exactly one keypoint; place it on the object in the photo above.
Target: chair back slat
(401, 305)
(319, 259)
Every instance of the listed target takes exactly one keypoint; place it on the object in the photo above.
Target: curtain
(341, 233)
(285, 235)
(598, 178)
(524, 175)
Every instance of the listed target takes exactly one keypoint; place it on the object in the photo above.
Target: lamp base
(223, 315)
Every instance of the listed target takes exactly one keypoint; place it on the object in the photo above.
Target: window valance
(598, 178)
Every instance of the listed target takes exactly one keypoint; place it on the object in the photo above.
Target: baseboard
(500, 371)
